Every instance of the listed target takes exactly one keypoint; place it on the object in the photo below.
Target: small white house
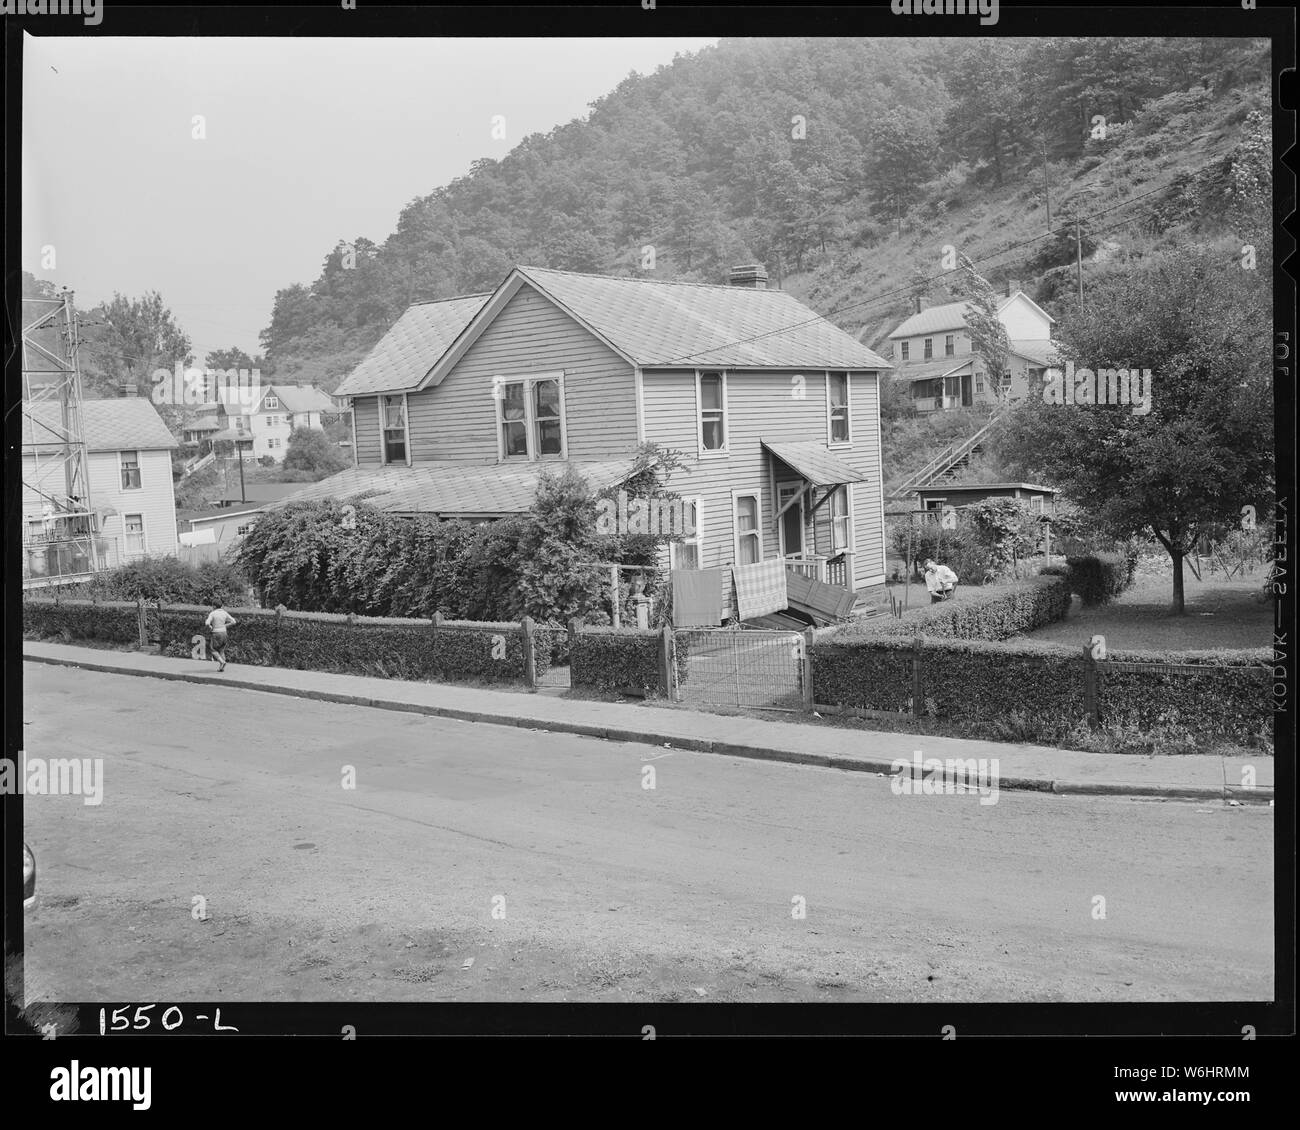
(129, 470)
(933, 353)
(263, 428)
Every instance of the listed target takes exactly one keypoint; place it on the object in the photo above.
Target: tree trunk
(1178, 606)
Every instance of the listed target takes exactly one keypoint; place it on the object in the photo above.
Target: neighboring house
(932, 352)
(129, 471)
(1039, 499)
(222, 526)
(461, 405)
(263, 427)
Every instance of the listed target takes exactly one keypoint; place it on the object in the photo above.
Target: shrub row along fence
(1212, 695)
(1218, 694)
(417, 649)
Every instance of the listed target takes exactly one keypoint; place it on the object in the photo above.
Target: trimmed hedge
(981, 681)
(976, 615)
(1230, 696)
(108, 621)
(867, 674)
(1100, 577)
(616, 659)
(386, 648)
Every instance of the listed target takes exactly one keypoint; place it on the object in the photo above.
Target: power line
(983, 260)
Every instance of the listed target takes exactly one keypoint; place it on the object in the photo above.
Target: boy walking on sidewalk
(219, 620)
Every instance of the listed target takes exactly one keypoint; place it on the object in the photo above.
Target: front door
(792, 519)
(965, 390)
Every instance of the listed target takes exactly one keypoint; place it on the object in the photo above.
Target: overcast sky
(308, 141)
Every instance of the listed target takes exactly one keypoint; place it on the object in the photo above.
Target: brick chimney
(750, 275)
(1013, 285)
(918, 303)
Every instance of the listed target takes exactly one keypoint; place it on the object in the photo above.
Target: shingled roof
(451, 489)
(128, 423)
(653, 324)
(660, 324)
(402, 357)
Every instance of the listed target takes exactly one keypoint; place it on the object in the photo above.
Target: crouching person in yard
(219, 620)
(940, 580)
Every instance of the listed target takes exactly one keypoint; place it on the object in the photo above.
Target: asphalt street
(480, 862)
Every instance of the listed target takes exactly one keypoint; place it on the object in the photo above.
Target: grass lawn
(1220, 614)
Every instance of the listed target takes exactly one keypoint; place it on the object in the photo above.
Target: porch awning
(813, 462)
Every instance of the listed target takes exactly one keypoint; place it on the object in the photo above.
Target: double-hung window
(841, 519)
(273, 402)
(392, 412)
(686, 554)
(949, 346)
(837, 407)
(133, 524)
(903, 350)
(748, 531)
(530, 418)
(713, 411)
(929, 348)
(130, 470)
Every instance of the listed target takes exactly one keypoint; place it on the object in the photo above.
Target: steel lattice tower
(61, 540)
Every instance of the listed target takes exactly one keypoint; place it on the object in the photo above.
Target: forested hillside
(845, 166)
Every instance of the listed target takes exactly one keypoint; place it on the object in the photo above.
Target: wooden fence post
(918, 699)
(809, 638)
(530, 660)
(437, 621)
(141, 622)
(1090, 686)
(575, 629)
(667, 664)
(275, 644)
(162, 636)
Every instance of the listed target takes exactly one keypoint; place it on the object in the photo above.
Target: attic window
(272, 402)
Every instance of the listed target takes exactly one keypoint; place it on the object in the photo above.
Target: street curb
(644, 737)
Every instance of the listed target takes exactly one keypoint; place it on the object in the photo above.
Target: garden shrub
(996, 614)
(106, 621)
(170, 580)
(1100, 577)
(1229, 697)
(619, 659)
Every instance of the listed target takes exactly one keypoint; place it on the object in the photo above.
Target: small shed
(1040, 499)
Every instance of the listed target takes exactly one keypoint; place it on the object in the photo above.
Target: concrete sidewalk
(1041, 768)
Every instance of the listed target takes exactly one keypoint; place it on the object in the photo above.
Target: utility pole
(1078, 258)
(1047, 188)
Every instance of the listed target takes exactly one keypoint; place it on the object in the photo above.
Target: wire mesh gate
(756, 668)
(551, 655)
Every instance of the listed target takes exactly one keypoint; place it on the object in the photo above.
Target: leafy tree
(1205, 449)
(987, 334)
(311, 450)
